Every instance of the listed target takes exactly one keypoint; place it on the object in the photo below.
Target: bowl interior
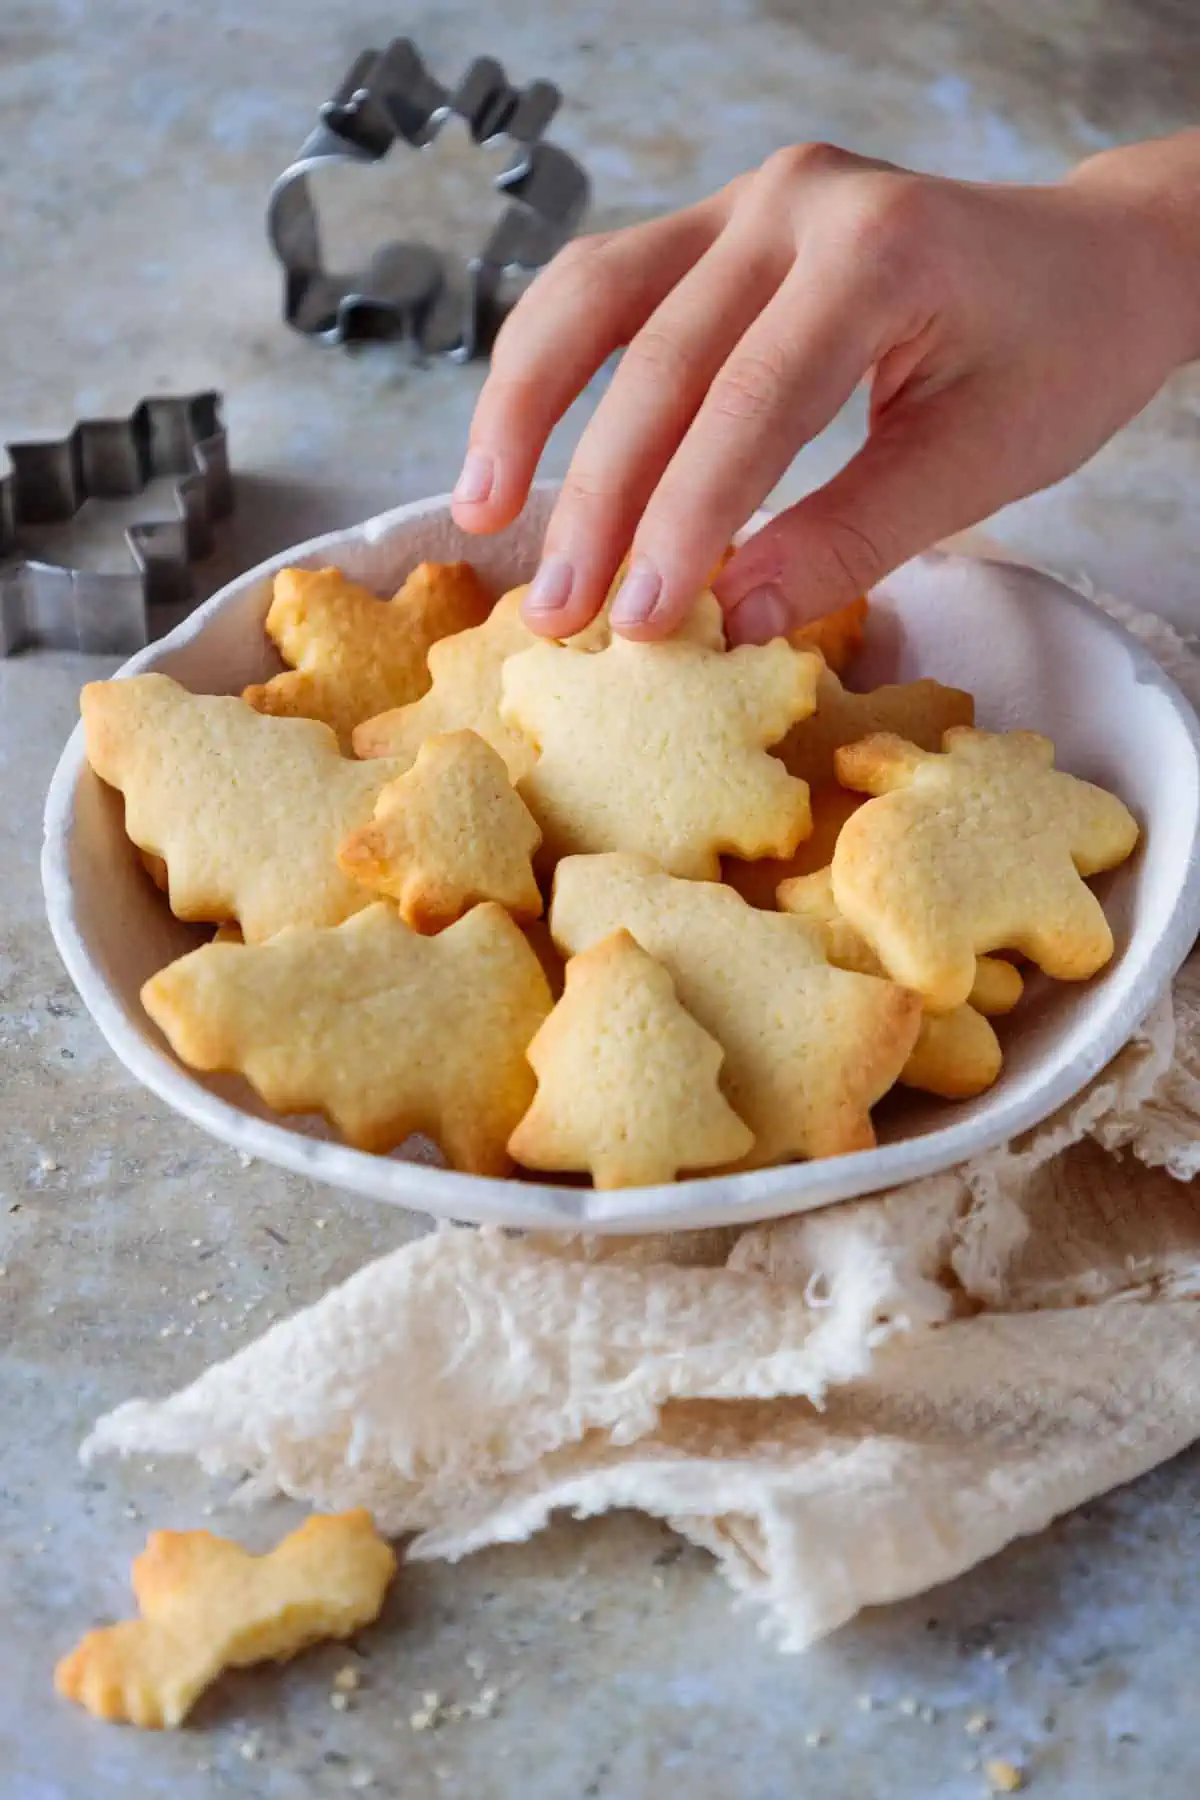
(1033, 654)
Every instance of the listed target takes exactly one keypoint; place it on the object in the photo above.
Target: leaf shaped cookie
(982, 848)
(353, 655)
(660, 749)
(382, 1030)
(957, 1054)
(809, 1049)
(627, 1080)
(246, 812)
(919, 711)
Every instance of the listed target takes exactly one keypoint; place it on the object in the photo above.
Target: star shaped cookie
(919, 711)
(246, 812)
(982, 848)
(627, 1080)
(660, 749)
(383, 1031)
(448, 834)
(809, 1049)
(353, 655)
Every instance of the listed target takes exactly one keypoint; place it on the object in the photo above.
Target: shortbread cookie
(759, 881)
(627, 1080)
(382, 1030)
(464, 695)
(207, 1605)
(448, 834)
(352, 655)
(997, 987)
(247, 812)
(918, 711)
(809, 1049)
(982, 848)
(956, 1055)
(660, 749)
(837, 635)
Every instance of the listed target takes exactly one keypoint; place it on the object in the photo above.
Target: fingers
(931, 468)
(792, 371)
(655, 393)
(587, 303)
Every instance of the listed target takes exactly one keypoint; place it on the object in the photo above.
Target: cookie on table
(809, 1048)
(628, 1087)
(957, 1054)
(758, 882)
(446, 835)
(984, 847)
(919, 711)
(661, 749)
(839, 635)
(383, 1031)
(352, 655)
(245, 811)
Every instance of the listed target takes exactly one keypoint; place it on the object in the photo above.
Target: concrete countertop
(132, 259)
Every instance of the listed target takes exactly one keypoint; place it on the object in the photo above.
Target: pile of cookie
(775, 898)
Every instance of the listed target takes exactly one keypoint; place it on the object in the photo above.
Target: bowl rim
(694, 1201)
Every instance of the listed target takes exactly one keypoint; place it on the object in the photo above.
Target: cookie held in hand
(245, 812)
(353, 655)
(207, 1605)
(661, 749)
(627, 1081)
(809, 1049)
(383, 1031)
(981, 848)
(446, 835)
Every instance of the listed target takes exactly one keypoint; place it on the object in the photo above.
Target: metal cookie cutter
(48, 606)
(390, 97)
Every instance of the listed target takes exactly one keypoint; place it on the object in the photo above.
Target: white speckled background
(138, 144)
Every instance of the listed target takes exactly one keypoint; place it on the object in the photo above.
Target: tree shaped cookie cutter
(49, 606)
(389, 97)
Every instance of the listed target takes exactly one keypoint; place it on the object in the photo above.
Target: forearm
(1156, 187)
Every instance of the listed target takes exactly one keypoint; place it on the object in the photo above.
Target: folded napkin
(845, 1407)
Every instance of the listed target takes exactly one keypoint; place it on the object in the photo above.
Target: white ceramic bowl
(1033, 653)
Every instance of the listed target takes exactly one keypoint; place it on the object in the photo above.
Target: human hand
(1007, 332)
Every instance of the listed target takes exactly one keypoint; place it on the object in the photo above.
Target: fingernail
(761, 616)
(551, 587)
(637, 596)
(477, 479)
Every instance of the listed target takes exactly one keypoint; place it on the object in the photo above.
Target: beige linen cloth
(844, 1407)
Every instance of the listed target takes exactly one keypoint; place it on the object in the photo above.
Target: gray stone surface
(139, 144)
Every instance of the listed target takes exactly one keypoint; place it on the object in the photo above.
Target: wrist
(1151, 194)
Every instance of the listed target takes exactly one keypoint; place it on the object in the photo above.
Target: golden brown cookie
(383, 1031)
(447, 834)
(627, 1080)
(837, 635)
(982, 848)
(758, 882)
(920, 711)
(660, 749)
(352, 655)
(809, 1049)
(247, 812)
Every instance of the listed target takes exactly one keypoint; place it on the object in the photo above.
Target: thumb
(916, 480)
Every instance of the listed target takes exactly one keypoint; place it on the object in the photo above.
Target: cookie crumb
(1003, 1777)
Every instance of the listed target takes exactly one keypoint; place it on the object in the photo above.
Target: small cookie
(809, 1049)
(448, 834)
(627, 1081)
(207, 1605)
(759, 881)
(464, 695)
(352, 655)
(918, 711)
(982, 848)
(837, 635)
(660, 749)
(247, 812)
(382, 1030)
(957, 1054)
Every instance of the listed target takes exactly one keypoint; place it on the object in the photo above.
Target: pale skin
(1005, 333)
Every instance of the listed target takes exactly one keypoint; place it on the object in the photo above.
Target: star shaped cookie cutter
(389, 97)
(46, 605)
